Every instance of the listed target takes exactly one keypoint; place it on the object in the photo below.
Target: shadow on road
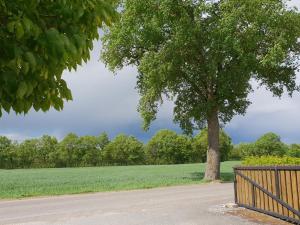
(225, 177)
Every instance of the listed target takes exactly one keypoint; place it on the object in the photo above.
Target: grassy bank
(39, 182)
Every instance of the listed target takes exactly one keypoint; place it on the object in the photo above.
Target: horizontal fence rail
(273, 190)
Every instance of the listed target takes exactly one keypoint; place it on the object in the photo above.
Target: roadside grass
(22, 183)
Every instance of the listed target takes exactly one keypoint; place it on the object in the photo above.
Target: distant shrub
(294, 150)
(235, 153)
(124, 150)
(271, 161)
(167, 147)
(242, 150)
(269, 144)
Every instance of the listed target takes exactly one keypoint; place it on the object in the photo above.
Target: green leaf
(19, 106)
(12, 64)
(27, 24)
(25, 68)
(45, 105)
(31, 59)
(22, 89)
(36, 106)
(27, 106)
(6, 106)
(11, 27)
(29, 89)
(19, 30)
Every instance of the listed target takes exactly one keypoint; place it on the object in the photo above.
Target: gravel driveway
(181, 205)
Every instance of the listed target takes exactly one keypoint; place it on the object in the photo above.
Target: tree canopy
(203, 55)
(167, 147)
(124, 150)
(38, 41)
(269, 144)
(294, 150)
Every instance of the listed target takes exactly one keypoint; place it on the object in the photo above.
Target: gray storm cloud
(105, 102)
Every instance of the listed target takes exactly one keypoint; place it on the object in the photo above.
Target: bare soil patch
(256, 217)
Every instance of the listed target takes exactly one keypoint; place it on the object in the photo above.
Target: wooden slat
(280, 207)
(269, 185)
(238, 184)
(258, 202)
(251, 188)
(289, 192)
(295, 191)
(266, 186)
(298, 189)
(261, 194)
(273, 190)
(283, 191)
(241, 190)
(248, 189)
(244, 190)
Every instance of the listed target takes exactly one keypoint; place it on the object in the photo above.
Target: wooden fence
(273, 190)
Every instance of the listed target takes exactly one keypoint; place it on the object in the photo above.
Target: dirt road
(182, 205)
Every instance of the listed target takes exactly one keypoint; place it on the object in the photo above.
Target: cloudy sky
(104, 102)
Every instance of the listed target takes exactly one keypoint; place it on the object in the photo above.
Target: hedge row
(165, 147)
(268, 144)
(271, 161)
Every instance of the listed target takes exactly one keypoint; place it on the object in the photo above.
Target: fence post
(235, 187)
(277, 183)
(253, 196)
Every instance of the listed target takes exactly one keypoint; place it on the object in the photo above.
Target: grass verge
(22, 183)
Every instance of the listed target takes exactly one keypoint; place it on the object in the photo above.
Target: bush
(294, 151)
(235, 153)
(7, 153)
(74, 151)
(269, 144)
(245, 150)
(124, 150)
(167, 147)
(271, 161)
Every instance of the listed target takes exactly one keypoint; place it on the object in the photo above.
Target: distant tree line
(165, 147)
(268, 144)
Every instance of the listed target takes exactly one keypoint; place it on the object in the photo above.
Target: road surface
(181, 205)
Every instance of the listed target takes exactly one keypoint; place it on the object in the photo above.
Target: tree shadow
(225, 177)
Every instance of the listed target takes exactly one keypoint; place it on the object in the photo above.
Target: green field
(21, 183)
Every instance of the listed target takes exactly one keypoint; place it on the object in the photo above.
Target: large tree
(200, 145)
(38, 41)
(203, 55)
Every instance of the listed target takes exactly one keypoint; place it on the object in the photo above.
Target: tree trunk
(212, 171)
